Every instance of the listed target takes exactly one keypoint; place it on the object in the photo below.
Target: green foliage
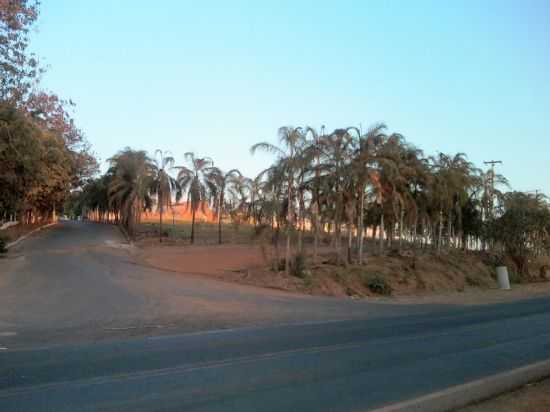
(18, 68)
(521, 228)
(378, 285)
(129, 188)
(3, 243)
(298, 266)
(195, 182)
(36, 168)
(473, 281)
(42, 153)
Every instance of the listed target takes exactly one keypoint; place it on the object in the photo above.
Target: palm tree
(336, 153)
(366, 161)
(130, 188)
(292, 138)
(220, 181)
(255, 191)
(163, 184)
(195, 181)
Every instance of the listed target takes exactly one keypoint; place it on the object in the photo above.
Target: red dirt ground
(428, 279)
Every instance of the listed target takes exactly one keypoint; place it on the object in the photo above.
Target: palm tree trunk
(381, 230)
(402, 213)
(449, 232)
(315, 234)
(415, 231)
(350, 241)
(288, 228)
(160, 223)
(300, 230)
(440, 235)
(220, 220)
(360, 226)
(193, 225)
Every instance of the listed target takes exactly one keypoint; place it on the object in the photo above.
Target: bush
(379, 286)
(3, 243)
(298, 266)
(473, 281)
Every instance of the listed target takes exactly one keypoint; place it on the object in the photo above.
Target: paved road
(338, 366)
(381, 355)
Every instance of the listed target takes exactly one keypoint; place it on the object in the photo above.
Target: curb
(462, 395)
(22, 238)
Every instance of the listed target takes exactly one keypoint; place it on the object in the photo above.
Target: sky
(216, 77)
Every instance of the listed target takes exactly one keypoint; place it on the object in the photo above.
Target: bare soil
(461, 278)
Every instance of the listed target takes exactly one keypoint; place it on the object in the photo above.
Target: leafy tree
(18, 68)
(521, 228)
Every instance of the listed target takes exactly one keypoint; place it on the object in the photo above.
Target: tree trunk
(381, 234)
(160, 223)
(288, 228)
(220, 200)
(360, 224)
(350, 241)
(450, 231)
(440, 235)
(402, 214)
(193, 226)
(315, 233)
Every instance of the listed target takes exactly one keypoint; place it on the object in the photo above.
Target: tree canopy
(43, 154)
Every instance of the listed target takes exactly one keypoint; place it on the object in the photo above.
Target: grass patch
(205, 232)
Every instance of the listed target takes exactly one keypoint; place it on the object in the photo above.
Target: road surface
(379, 355)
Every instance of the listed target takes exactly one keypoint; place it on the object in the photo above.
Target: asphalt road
(381, 355)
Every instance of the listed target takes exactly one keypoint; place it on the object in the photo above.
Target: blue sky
(216, 77)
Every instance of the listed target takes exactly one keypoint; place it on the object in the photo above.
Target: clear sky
(215, 77)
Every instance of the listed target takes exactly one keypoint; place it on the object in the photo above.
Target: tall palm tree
(130, 187)
(219, 181)
(194, 180)
(255, 192)
(163, 184)
(366, 161)
(336, 154)
(292, 139)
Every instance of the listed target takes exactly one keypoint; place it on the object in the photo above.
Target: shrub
(3, 243)
(298, 266)
(379, 286)
(473, 281)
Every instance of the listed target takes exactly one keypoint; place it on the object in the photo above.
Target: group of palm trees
(135, 183)
(344, 182)
(336, 188)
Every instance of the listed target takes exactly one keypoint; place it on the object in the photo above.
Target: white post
(502, 277)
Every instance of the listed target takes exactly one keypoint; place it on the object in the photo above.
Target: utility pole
(536, 192)
(491, 182)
